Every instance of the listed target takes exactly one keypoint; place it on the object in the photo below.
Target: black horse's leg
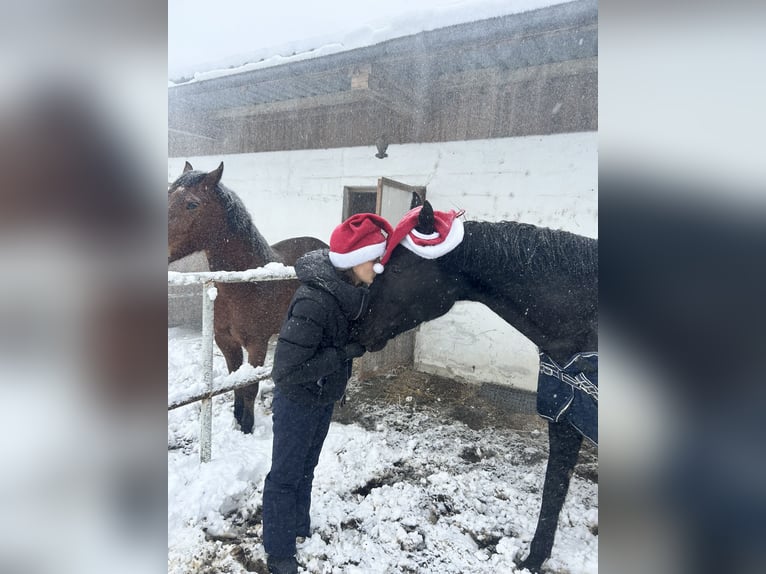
(565, 444)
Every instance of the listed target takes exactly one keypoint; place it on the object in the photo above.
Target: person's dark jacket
(311, 361)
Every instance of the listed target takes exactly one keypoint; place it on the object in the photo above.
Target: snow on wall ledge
(549, 181)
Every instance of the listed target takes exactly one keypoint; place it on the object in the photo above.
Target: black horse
(543, 282)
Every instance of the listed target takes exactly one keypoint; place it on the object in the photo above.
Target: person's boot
(301, 536)
(287, 565)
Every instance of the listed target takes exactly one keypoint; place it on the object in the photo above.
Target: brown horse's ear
(426, 219)
(214, 176)
(187, 167)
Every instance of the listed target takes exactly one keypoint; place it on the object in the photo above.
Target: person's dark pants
(299, 432)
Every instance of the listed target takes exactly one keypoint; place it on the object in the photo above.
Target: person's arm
(298, 357)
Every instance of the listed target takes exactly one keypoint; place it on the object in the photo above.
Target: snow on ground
(407, 492)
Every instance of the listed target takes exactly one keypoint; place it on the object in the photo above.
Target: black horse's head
(410, 291)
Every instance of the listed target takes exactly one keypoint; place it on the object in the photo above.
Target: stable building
(498, 117)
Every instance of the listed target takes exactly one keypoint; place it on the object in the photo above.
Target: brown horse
(204, 215)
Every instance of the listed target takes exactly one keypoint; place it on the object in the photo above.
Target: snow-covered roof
(208, 40)
(550, 53)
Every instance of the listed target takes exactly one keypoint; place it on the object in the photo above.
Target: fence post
(209, 293)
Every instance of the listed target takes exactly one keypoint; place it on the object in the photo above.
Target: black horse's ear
(188, 167)
(214, 176)
(426, 219)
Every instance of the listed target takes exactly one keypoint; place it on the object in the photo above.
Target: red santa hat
(447, 234)
(358, 239)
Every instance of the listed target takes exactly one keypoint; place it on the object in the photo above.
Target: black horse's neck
(493, 250)
(541, 281)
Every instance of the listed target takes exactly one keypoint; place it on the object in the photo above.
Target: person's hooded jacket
(310, 363)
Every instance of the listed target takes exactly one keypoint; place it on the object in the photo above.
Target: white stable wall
(549, 181)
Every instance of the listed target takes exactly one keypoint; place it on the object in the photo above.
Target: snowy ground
(405, 487)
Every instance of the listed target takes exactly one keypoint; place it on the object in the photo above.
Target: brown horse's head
(194, 211)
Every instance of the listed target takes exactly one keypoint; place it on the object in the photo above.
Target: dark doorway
(359, 200)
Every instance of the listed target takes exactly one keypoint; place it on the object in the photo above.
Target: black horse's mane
(237, 217)
(521, 248)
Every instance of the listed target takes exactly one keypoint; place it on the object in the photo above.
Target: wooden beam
(293, 105)
(393, 96)
(493, 77)
(190, 134)
(360, 77)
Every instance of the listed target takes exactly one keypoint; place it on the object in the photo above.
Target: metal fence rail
(271, 272)
(193, 398)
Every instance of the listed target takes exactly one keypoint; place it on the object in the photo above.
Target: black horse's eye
(192, 205)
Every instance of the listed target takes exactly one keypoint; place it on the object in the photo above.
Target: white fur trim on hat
(361, 255)
(453, 239)
(419, 235)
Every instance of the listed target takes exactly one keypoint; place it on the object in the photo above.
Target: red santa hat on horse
(427, 233)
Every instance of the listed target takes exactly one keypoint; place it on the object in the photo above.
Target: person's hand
(354, 350)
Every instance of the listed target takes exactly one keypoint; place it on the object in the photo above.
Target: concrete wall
(548, 181)
(185, 301)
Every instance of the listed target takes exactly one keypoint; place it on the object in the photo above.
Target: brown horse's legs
(232, 352)
(244, 398)
(565, 444)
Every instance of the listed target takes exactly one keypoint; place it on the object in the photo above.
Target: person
(312, 365)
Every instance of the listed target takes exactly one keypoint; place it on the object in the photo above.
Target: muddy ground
(411, 405)
(477, 406)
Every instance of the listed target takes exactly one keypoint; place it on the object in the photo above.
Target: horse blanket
(570, 393)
